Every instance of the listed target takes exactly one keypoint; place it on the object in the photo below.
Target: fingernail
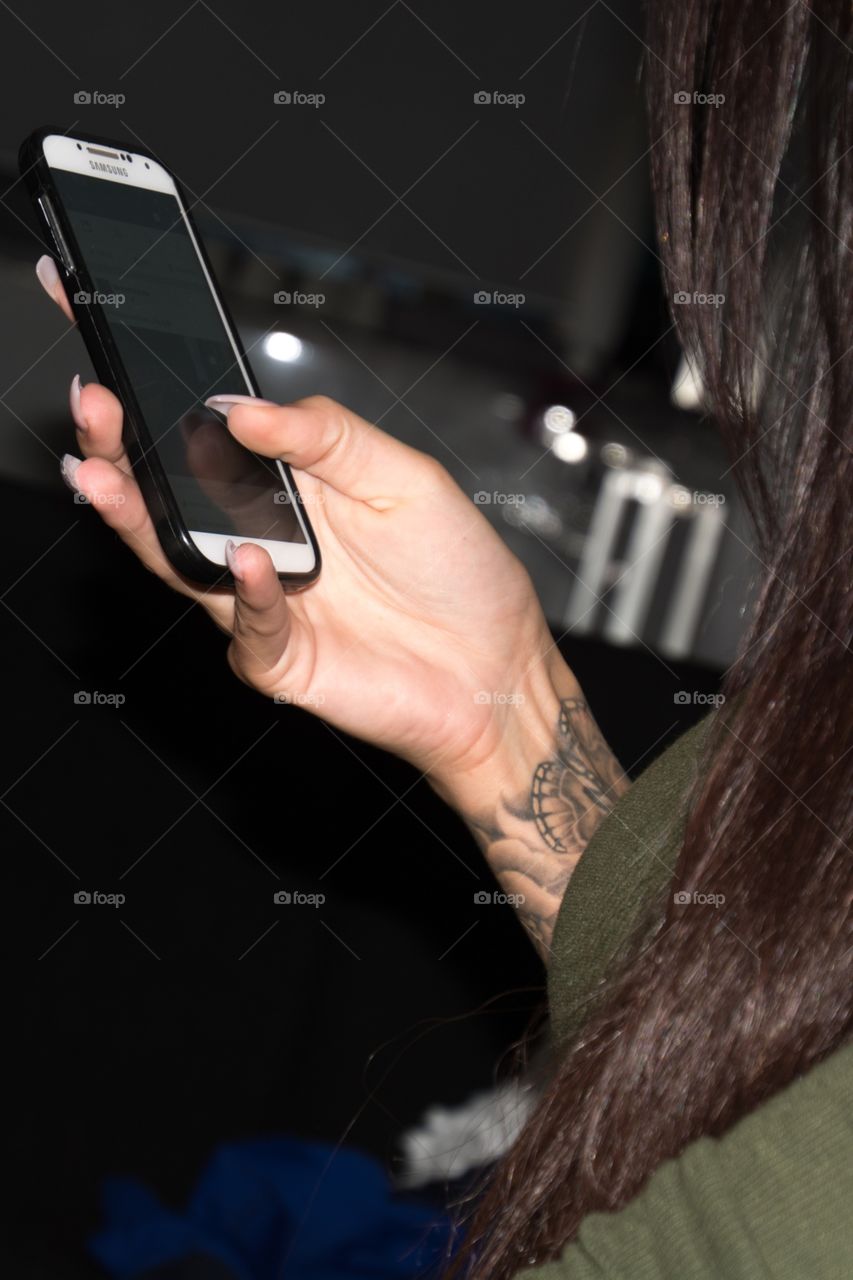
(47, 273)
(224, 404)
(231, 560)
(68, 470)
(76, 410)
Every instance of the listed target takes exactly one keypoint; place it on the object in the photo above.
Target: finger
(321, 437)
(98, 417)
(119, 503)
(50, 281)
(105, 442)
(262, 619)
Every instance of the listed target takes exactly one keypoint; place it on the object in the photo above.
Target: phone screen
(154, 295)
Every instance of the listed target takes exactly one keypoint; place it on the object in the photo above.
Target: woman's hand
(422, 634)
(419, 610)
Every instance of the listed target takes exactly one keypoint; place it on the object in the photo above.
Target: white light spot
(283, 346)
(614, 455)
(559, 418)
(569, 447)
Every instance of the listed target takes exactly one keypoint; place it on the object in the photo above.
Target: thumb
(262, 619)
(319, 436)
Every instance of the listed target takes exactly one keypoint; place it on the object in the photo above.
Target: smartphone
(159, 335)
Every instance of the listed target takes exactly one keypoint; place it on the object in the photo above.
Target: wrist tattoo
(533, 842)
(571, 791)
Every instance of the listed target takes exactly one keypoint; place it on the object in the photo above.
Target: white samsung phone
(159, 335)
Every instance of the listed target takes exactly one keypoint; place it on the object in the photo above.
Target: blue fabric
(276, 1208)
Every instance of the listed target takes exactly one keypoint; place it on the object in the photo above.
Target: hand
(423, 633)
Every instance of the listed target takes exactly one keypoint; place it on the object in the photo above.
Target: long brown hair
(718, 1010)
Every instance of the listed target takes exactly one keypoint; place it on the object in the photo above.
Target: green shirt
(772, 1199)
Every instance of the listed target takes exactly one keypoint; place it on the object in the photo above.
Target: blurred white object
(283, 346)
(687, 390)
(450, 1141)
(569, 447)
(558, 418)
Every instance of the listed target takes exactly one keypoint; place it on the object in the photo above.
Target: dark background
(140, 1037)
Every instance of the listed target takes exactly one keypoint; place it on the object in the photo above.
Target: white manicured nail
(74, 398)
(68, 469)
(224, 404)
(47, 273)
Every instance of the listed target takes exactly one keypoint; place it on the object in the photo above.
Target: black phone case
(147, 469)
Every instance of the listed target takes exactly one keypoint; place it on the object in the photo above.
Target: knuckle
(319, 404)
(334, 425)
(434, 472)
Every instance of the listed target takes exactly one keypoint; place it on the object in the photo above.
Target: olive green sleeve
(622, 875)
(770, 1200)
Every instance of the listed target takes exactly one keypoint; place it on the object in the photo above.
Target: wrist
(520, 733)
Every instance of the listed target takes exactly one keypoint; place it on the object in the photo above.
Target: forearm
(535, 807)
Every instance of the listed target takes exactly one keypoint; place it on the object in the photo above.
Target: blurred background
(439, 215)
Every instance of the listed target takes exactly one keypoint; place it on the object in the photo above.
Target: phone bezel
(297, 564)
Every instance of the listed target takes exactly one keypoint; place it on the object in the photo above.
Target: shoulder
(771, 1197)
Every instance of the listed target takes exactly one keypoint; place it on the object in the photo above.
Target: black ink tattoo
(571, 792)
(533, 843)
